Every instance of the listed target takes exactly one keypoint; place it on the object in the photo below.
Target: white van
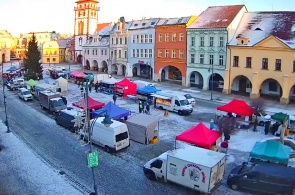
(142, 84)
(112, 138)
(24, 94)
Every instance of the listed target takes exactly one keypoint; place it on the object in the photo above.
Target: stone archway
(114, 69)
(95, 65)
(104, 67)
(171, 73)
(121, 69)
(79, 59)
(87, 65)
(271, 89)
(142, 70)
(292, 94)
(134, 71)
(241, 85)
(196, 80)
(215, 82)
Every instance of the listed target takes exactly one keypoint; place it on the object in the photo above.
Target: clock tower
(86, 17)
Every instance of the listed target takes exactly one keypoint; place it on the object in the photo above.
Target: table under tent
(62, 83)
(143, 128)
(125, 87)
(77, 76)
(107, 85)
(93, 105)
(146, 93)
(115, 112)
(201, 136)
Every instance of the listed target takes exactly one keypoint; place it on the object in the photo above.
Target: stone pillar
(255, 86)
(183, 81)
(91, 68)
(120, 70)
(157, 77)
(129, 72)
(285, 99)
(227, 84)
(109, 67)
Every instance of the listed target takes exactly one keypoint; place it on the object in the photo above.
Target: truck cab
(155, 169)
(51, 101)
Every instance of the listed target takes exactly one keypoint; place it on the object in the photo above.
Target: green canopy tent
(271, 151)
(32, 83)
(280, 117)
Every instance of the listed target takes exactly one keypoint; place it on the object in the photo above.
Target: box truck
(193, 167)
(51, 101)
(43, 87)
(174, 103)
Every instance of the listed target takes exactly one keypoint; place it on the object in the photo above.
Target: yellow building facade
(261, 58)
(50, 53)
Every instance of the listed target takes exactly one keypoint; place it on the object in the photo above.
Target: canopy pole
(175, 144)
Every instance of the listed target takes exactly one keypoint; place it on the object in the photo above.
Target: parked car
(190, 99)
(263, 178)
(24, 94)
(260, 118)
(65, 118)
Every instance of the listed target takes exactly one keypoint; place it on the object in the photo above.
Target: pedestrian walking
(147, 108)
(90, 87)
(140, 107)
(96, 86)
(114, 98)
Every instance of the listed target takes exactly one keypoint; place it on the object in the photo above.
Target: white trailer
(193, 167)
(174, 103)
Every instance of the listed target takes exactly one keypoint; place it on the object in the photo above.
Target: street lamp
(107, 122)
(212, 80)
(4, 100)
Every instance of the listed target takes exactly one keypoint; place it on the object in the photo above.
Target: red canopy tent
(93, 104)
(74, 73)
(236, 106)
(200, 135)
(125, 87)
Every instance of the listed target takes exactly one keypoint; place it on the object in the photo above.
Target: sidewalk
(22, 172)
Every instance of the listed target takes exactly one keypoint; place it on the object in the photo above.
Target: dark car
(263, 178)
(66, 118)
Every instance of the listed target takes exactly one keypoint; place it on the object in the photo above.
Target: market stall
(62, 83)
(143, 128)
(93, 104)
(32, 83)
(146, 93)
(270, 151)
(107, 85)
(200, 136)
(78, 76)
(115, 112)
(125, 87)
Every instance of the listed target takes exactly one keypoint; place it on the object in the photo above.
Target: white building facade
(141, 46)
(207, 39)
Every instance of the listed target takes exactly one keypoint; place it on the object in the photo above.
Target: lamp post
(212, 80)
(4, 100)
(107, 122)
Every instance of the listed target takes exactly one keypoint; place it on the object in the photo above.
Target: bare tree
(226, 125)
(258, 107)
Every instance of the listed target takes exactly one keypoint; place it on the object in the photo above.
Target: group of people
(144, 107)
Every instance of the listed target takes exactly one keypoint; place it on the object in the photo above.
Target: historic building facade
(5, 45)
(85, 24)
(170, 49)
(207, 38)
(141, 45)
(97, 50)
(119, 47)
(261, 57)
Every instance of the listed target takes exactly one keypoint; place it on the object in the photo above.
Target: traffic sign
(92, 159)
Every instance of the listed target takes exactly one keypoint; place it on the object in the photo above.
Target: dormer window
(143, 24)
(179, 20)
(135, 24)
(152, 23)
(165, 21)
(243, 41)
(258, 29)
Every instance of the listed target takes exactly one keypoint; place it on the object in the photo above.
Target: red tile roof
(102, 26)
(217, 16)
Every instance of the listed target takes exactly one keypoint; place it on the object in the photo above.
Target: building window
(202, 41)
(278, 64)
(160, 37)
(181, 54)
(141, 38)
(145, 53)
(125, 40)
(115, 54)
(146, 38)
(150, 53)
(150, 38)
(121, 41)
(117, 41)
(125, 54)
(137, 38)
(202, 59)
(211, 59)
(236, 61)
(133, 39)
(211, 41)
(96, 52)
(192, 58)
(160, 53)
(47, 59)
(133, 53)
(167, 37)
(53, 59)
(174, 37)
(120, 55)
(173, 54)
(137, 53)
(93, 52)
(272, 86)
(101, 52)
(193, 41)
(265, 63)
(221, 60)
(221, 41)
(248, 62)
(88, 51)
(181, 38)
(141, 53)
(166, 53)
(105, 52)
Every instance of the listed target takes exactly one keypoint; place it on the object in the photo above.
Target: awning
(161, 97)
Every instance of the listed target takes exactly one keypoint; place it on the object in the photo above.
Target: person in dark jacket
(266, 127)
(96, 86)
(147, 107)
(114, 98)
(140, 107)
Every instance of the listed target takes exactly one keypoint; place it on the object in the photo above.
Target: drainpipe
(229, 68)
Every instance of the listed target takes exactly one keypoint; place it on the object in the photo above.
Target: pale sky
(22, 16)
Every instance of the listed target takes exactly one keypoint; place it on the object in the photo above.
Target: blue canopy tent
(147, 90)
(113, 110)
